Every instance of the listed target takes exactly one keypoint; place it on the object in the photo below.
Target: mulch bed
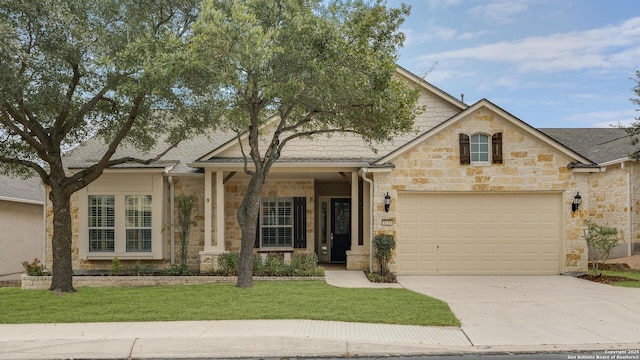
(10, 283)
(604, 279)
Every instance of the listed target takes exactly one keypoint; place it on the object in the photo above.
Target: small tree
(186, 204)
(383, 245)
(601, 239)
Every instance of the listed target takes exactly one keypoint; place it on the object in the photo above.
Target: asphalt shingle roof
(22, 189)
(597, 144)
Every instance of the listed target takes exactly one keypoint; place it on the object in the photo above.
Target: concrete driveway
(536, 310)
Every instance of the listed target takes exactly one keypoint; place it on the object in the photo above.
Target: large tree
(72, 69)
(304, 68)
(634, 129)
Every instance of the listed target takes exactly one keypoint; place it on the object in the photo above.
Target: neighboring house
(21, 224)
(474, 190)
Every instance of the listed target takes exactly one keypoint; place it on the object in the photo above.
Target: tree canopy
(72, 69)
(305, 67)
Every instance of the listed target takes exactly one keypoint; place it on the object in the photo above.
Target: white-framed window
(101, 223)
(479, 148)
(276, 223)
(114, 217)
(138, 223)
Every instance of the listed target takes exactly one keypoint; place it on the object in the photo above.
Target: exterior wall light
(577, 200)
(387, 202)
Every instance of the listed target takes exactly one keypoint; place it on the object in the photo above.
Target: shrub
(228, 263)
(142, 269)
(116, 267)
(306, 265)
(601, 239)
(34, 268)
(176, 270)
(258, 265)
(274, 265)
(383, 245)
(185, 205)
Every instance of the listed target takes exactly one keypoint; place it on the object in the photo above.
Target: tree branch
(29, 164)
(244, 156)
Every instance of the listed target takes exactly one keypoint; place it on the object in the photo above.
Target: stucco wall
(22, 235)
(529, 165)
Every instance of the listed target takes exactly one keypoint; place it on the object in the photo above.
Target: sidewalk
(246, 338)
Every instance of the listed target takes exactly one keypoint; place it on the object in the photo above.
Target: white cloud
(499, 11)
(440, 33)
(610, 47)
(603, 119)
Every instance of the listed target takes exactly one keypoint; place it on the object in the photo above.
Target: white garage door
(472, 233)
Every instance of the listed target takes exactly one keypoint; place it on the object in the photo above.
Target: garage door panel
(466, 233)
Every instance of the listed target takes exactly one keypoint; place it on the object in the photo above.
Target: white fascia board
(302, 165)
(617, 161)
(23, 201)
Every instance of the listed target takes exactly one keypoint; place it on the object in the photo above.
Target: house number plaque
(387, 222)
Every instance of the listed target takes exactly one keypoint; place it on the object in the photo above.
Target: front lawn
(634, 275)
(313, 300)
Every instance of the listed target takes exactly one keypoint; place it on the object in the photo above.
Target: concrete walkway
(291, 338)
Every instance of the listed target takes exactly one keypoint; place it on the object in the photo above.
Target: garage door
(471, 233)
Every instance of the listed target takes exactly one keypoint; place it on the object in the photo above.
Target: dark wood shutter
(465, 149)
(300, 222)
(496, 148)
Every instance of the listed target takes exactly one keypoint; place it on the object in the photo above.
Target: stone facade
(235, 190)
(529, 164)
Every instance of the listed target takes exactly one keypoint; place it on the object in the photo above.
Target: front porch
(311, 211)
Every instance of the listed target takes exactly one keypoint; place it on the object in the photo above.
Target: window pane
(101, 223)
(479, 146)
(277, 222)
(138, 223)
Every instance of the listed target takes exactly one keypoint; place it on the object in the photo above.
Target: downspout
(44, 224)
(172, 194)
(629, 204)
(371, 192)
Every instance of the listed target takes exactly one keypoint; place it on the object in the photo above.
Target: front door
(340, 229)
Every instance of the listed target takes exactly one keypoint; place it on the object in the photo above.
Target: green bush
(383, 246)
(142, 269)
(176, 270)
(116, 267)
(34, 268)
(258, 265)
(601, 239)
(228, 263)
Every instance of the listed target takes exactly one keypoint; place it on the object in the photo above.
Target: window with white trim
(276, 222)
(102, 223)
(138, 223)
(479, 148)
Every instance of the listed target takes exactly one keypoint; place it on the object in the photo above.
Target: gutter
(362, 172)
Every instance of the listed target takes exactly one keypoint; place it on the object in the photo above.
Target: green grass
(628, 274)
(313, 300)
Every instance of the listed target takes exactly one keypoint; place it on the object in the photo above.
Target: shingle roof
(176, 159)
(597, 144)
(21, 189)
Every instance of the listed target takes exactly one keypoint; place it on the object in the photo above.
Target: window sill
(121, 256)
(275, 249)
(481, 164)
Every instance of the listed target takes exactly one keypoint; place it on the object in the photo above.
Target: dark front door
(340, 229)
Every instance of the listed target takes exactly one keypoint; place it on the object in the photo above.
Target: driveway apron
(536, 310)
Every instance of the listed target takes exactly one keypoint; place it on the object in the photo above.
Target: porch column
(219, 212)
(355, 210)
(208, 245)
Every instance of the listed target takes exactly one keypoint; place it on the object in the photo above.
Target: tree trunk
(62, 280)
(248, 218)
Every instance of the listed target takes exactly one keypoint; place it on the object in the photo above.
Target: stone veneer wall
(234, 192)
(528, 165)
(608, 205)
(191, 186)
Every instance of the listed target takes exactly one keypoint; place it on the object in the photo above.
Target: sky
(550, 63)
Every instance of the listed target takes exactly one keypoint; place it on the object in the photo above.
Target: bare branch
(29, 164)
(8, 113)
(244, 155)
(75, 79)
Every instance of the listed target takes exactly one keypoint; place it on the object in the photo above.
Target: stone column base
(209, 261)
(357, 261)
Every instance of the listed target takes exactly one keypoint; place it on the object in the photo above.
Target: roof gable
(486, 104)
